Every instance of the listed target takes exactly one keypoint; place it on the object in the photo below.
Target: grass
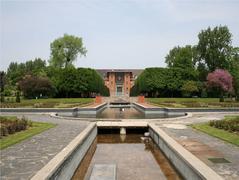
(49, 103)
(219, 133)
(192, 102)
(37, 127)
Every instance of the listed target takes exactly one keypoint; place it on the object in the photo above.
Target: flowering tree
(220, 79)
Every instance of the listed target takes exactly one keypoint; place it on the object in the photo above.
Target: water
(129, 113)
(119, 113)
(135, 158)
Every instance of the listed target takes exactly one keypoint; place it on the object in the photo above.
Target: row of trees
(35, 79)
(188, 68)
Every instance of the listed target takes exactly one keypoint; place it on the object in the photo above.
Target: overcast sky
(116, 33)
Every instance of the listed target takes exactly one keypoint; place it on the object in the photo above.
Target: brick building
(119, 81)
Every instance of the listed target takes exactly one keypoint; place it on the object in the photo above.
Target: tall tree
(214, 48)
(65, 50)
(234, 70)
(2, 84)
(181, 57)
(16, 72)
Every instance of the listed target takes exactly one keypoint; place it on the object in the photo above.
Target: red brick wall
(110, 83)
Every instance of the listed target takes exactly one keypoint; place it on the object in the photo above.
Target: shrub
(231, 125)
(13, 125)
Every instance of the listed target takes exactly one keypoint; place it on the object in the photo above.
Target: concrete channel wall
(64, 164)
(189, 166)
(68, 111)
(180, 111)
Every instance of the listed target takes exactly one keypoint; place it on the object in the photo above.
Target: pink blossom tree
(220, 79)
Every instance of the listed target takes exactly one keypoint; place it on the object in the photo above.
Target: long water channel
(135, 157)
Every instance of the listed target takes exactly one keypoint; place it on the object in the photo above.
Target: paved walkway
(203, 145)
(23, 160)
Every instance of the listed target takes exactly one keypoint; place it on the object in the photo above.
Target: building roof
(103, 72)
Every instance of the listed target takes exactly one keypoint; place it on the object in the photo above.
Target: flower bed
(11, 125)
(229, 124)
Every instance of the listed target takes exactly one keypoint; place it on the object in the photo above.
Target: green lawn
(48, 103)
(219, 133)
(37, 127)
(191, 102)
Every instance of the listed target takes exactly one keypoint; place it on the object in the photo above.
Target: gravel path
(23, 160)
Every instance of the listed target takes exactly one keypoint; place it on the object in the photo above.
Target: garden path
(205, 146)
(23, 160)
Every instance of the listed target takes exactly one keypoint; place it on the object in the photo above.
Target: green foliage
(13, 125)
(219, 133)
(36, 86)
(189, 87)
(163, 81)
(214, 48)
(229, 124)
(81, 82)
(234, 70)
(18, 99)
(17, 71)
(2, 85)
(181, 57)
(36, 128)
(64, 51)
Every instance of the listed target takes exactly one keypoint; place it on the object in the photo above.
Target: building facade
(119, 81)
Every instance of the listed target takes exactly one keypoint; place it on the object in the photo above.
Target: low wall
(64, 164)
(189, 166)
(179, 111)
(67, 111)
(36, 110)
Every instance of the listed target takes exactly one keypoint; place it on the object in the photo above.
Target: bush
(231, 125)
(13, 125)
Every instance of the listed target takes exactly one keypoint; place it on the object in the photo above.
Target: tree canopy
(181, 57)
(214, 48)
(16, 71)
(65, 50)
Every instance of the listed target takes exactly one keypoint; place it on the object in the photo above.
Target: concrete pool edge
(64, 164)
(184, 161)
(83, 110)
(179, 111)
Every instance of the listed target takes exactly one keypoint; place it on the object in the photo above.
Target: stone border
(173, 111)
(64, 164)
(121, 120)
(185, 162)
(72, 111)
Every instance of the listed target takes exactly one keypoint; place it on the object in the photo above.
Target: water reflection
(136, 158)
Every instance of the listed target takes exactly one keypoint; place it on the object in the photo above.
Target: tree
(234, 70)
(64, 50)
(189, 87)
(16, 72)
(220, 79)
(214, 48)
(2, 85)
(80, 82)
(181, 57)
(34, 86)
